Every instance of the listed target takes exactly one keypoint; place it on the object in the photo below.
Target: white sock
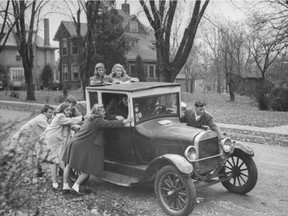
(76, 187)
(55, 185)
(66, 186)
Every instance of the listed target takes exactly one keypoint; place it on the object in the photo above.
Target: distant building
(140, 39)
(44, 54)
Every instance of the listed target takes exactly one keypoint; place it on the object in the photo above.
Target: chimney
(126, 8)
(46, 32)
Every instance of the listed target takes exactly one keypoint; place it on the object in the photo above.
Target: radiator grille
(208, 147)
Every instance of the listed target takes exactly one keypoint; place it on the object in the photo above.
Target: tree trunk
(29, 82)
(231, 93)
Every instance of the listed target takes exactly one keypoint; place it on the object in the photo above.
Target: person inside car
(85, 151)
(119, 75)
(200, 118)
(100, 77)
(117, 108)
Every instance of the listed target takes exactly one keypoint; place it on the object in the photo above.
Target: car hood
(167, 130)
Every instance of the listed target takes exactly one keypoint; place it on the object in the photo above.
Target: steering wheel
(160, 109)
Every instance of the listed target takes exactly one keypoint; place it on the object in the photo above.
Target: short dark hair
(71, 99)
(45, 108)
(199, 104)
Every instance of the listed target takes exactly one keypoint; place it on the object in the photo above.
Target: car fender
(243, 148)
(178, 161)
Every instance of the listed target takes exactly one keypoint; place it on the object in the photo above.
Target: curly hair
(95, 111)
(113, 72)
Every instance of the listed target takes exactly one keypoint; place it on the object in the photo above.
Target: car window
(93, 97)
(156, 106)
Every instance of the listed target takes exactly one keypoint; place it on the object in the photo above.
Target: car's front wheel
(74, 174)
(175, 192)
(243, 172)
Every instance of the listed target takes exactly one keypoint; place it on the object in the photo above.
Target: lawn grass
(243, 110)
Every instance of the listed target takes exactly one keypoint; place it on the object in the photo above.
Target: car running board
(118, 179)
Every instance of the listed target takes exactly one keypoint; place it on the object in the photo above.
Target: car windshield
(156, 106)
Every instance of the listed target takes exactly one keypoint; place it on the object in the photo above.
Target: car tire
(175, 192)
(74, 174)
(244, 173)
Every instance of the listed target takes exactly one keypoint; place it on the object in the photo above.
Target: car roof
(132, 87)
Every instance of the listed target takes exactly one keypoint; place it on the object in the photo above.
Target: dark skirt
(87, 158)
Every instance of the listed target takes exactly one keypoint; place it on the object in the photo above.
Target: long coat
(57, 134)
(85, 151)
(25, 139)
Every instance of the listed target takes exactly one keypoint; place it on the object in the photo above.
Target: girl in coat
(85, 151)
(55, 138)
(119, 75)
(100, 77)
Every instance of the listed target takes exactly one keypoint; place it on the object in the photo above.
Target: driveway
(268, 198)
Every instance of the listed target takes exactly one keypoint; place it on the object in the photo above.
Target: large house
(140, 38)
(44, 54)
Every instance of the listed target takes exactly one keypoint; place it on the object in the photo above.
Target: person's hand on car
(119, 117)
(128, 120)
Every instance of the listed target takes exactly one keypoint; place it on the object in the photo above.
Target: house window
(145, 70)
(75, 72)
(151, 71)
(74, 46)
(64, 47)
(17, 74)
(18, 58)
(133, 70)
(134, 27)
(65, 72)
(133, 44)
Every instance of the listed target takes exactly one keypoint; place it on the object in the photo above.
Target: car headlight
(191, 153)
(226, 144)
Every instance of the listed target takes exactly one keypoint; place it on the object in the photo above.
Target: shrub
(14, 94)
(278, 99)
(47, 76)
(261, 94)
(17, 169)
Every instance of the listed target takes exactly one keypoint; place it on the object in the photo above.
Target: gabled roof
(70, 27)
(39, 41)
(145, 39)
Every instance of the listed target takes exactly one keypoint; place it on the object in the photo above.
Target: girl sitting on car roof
(119, 75)
(100, 76)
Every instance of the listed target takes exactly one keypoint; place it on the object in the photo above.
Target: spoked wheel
(243, 172)
(175, 192)
(74, 174)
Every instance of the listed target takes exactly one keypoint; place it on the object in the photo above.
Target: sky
(217, 9)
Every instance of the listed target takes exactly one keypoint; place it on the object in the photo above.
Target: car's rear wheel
(175, 192)
(74, 174)
(243, 172)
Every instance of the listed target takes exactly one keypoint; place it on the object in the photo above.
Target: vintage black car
(157, 148)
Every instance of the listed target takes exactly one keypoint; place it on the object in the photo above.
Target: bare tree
(213, 41)
(161, 20)
(264, 45)
(25, 35)
(6, 27)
